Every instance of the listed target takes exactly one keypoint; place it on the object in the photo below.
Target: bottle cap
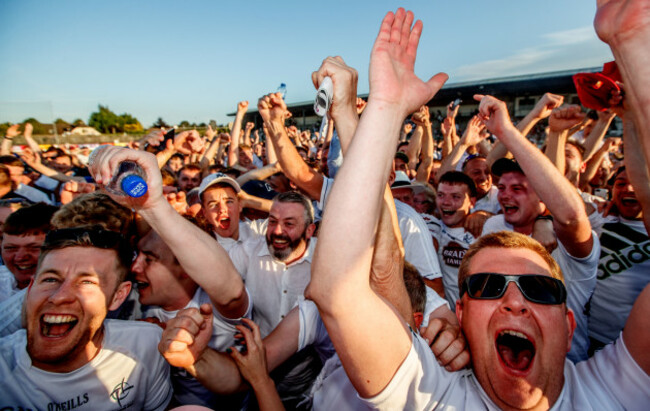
(134, 186)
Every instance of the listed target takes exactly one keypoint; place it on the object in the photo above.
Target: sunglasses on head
(540, 289)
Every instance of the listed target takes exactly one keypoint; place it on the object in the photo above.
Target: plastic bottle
(128, 180)
(282, 89)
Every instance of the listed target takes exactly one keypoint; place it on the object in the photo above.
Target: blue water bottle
(130, 178)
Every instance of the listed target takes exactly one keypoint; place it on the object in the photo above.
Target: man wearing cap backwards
(532, 188)
(69, 356)
(518, 334)
(221, 207)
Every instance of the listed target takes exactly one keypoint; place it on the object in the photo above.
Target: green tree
(62, 125)
(160, 123)
(104, 120)
(78, 123)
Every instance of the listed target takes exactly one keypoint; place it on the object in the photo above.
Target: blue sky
(194, 60)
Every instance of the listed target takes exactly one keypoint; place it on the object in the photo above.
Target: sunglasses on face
(540, 289)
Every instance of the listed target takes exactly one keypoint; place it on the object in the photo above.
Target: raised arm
(272, 108)
(196, 251)
(636, 333)
(7, 142)
(636, 167)
(344, 101)
(370, 350)
(597, 133)
(233, 150)
(560, 197)
(560, 121)
(471, 137)
(424, 171)
(540, 111)
(625, 26)
(27, 133)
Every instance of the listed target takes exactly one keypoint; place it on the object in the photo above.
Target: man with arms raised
(530, 189)
(68, 356)
(393, 368)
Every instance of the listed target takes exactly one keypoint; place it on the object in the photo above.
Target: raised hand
(472, 135)
(619, 20)
(272, 108)
(344, 81)
(30, 158)
(546, 105)
(209, 133)
(12, 131)
(494, 114)
(242, 106)
(392, 80)
(107, 162)
(178, 201)
(249, 126)
(452, 111)
(186, 336)
(29, 128)
(422, 117)
(73, 189)
(565, 117)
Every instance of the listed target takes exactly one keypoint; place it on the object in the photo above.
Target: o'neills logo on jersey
(71, 404)
(120, 394)
(452, 254)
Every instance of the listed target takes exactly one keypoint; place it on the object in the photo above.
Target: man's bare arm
(560, 197)
(196, 251)
(370, 350)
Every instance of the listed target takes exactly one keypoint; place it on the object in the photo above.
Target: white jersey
(8, 283)
(247, 229)
(489, 202)
(610, 380)
(418, 247)
(452, 246)
(128, 373)
(332, 389)
(187, 390)
(623, 272)
(579, 278)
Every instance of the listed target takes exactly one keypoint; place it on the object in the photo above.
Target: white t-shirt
(8, 283)
(32, 194)
(452, 245)
(10, 311)
(418, 246)
(610, 380)
(274, 286)
(127, 373)
(187, 390)
(489, 202)
(579, 279)
(247, 229)
(332, 389)
(623, 272)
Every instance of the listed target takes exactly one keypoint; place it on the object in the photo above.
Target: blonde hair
(506, 239)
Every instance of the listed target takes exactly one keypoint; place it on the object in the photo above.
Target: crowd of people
(365, 267)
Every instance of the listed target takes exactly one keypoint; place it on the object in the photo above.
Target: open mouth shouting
(224, 222)
(516, 351)
(57, 325)
(510, 209)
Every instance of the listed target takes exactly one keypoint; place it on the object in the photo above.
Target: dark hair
(191, 167)
(91, 236)
(297, 198)
(415, 287)
(456, 177)
(31, 220)
(11, 161)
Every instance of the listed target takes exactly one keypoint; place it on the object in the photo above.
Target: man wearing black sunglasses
(532, 188)
(518, 346)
